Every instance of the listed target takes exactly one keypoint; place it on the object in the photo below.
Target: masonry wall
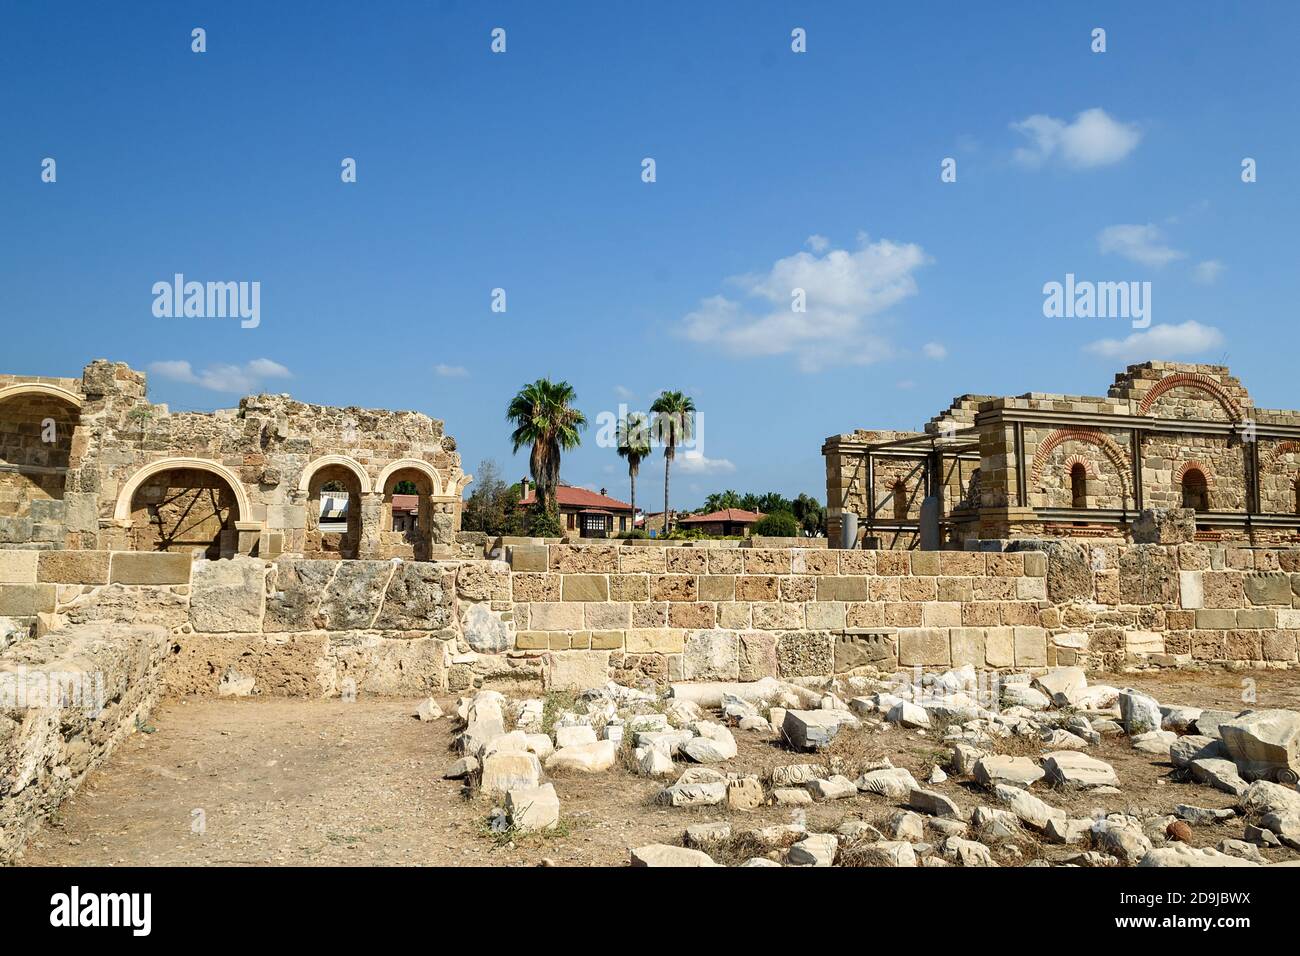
(324, 628)
(66, 699)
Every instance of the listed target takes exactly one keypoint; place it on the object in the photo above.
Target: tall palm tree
(674, 423)
(634, 445)
(543, 414)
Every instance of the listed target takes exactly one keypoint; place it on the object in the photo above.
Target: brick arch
(1275, 454)
(1089, 467)
(1193, 463)
(1191, 380)
(1109, 447)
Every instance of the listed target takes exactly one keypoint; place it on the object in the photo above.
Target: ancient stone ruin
(1166, 436)
(148, 555)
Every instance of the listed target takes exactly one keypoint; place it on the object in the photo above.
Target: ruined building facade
(1165, 436)
(91, 463)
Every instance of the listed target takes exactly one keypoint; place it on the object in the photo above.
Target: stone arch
(343, 461)
(331, 538)
(412, 464)
(122, 510)
(1194, 380)
(186, 505)
(37, 423)
(1109, 447)
(41, 388)
(1277, 451)
(410, 542)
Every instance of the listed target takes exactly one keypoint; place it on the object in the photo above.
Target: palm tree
(634, 445)
(674, 423)
(543, 414)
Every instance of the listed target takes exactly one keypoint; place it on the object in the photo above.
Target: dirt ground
(304, 782)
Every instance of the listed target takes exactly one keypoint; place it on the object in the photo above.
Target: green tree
(674, 423)
(778, 524)
(722, 499)
(634, 446)
(810, 514)
(493, 506)
(544, 416)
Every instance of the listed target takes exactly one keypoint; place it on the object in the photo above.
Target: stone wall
(120, 472)
(66, 698)
(636, 612)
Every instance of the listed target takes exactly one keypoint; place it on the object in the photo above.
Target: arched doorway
(1196, 490)
(1078, 485)
(407, 517)
(185, 510)
(334, 502)
(36, 426)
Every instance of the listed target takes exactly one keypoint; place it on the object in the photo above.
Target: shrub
(544, 524)
(779, 524)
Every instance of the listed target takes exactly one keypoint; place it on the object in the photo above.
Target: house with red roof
(728, 522)
(590, 514)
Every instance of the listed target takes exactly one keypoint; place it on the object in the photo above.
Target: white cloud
(1093, 139)
(451, 371)
(907, 384)
(1160, 342)
(1208, 271)
(625, 393)
(842, 291)
(239, 379)
(818, 244)
(695, 463)
(1144, 245)
(934, 350)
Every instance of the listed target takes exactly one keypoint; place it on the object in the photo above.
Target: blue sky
(774, 169)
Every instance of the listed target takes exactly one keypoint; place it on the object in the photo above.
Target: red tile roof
(734, 515)
(568, 496)
(406, 503)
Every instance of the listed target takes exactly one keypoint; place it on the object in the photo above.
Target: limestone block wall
(636, 612)
(66, 698)
(699, 613)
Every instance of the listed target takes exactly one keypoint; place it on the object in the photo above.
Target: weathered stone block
(608, 616)
(294, 595)
(825, 615)
(556, 616)
(804, 654)
(228, 595)
(711, 655)
(641, 640)
(1031, 647)
(717, 587)
(968, 646)
(354, 595)
(73, 567)
(18, 567)
(129, 567)
(863, 650)
(576, 670)
(584, 587)
(757, 655)
(922, 646)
